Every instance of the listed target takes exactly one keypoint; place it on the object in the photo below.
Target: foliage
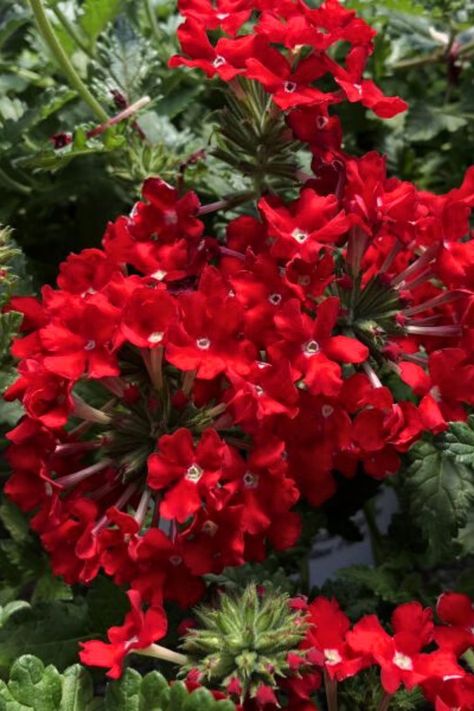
(32, 685)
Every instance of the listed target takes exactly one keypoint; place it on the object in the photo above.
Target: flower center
(290, 87)
(402, 661)
(299, 235)
(194, 473)
(332, 656)
(156, 337)
(275, 299)
(176, 560)
(218, 62)
(203, 344)
(90, 345)
(311, 348)
(327, 410)
(210, 528)
(171, 217)
(322, 121)
(250, 480)
(222, 15)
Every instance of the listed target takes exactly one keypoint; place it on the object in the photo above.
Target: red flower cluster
(287, 47)
(418, 653)
(182, 392)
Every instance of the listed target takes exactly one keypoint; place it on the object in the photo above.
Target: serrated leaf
(97, 14)
(14, 521)
(424, 122)
(50, 631)
(11, 608)
(440, 494)
(51, 160)
(31, 686)
(458, 441)
(34, 687)
(77, 691)
(152, 693)
(383, 583)
(49, 588)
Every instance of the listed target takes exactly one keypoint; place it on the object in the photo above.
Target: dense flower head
(182, 392)
(288, 48)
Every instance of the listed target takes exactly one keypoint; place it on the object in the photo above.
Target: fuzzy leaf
(152, 693)
(440, 493)
(458, 441)
(51, 631)
(425, 122)
(78, 690)
(97, 14)
(31, 686)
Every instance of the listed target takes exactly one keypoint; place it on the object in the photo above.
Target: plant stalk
(47, 32)
(385, 702)
(159, 652)
(151, 15)
(330, 686)
(71, 30)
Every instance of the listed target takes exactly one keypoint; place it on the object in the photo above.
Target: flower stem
(376, 541)
(385, 702)
(70, 29)
(159, 652)
(331, 692)
(47, 32)
(125, 114)
(151, 15)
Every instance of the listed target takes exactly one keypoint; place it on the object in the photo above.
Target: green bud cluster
(245, 639)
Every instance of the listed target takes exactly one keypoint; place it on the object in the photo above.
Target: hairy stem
(385, 702)
(151, 15)
(47, 32)
(331, 692)
(71, 30)
(159, 652)
(374, 533)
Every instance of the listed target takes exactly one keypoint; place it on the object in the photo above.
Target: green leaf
(424, 122)
(78, 691)
(97, 14)
(11, 608)
(152, 693)
(38, 688)
(53, 160)
(14, 521)
(440, 493)
(382, 582)
(458, 441)
(51, 631)
(31, 686)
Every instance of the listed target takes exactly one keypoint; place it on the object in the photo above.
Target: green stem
(415, 62)
(331, 692)
(385, 702)
(71, 30)
(376, 540)
(159, 652)
(151, 14)
(14, 184)
(49, 36)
